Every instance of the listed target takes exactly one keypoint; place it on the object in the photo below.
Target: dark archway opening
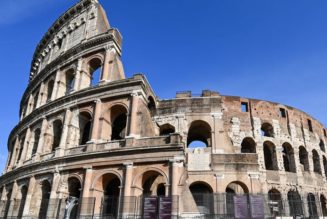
(23, 192)
(267, 130)
(248, 145)
(304, 159)
(323, 202)
(316, 162)
(166, 129)
(74, 192)
(322, 145)
(85, 124)
(270, 156)
(57, 130)
(50, 90)
(111, 198)
(288, 158)
(199, 134)
(37, 134)
(295, 203)
(312, 206)
(70, 81)
(203, 197)
(276, 203)
(46, 189)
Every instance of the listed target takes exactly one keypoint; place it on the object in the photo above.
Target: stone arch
(322, 145)
(69, 80)
(304, 158)
(74, 187)
(101, 173)
(248, 145)
(56, 131)
(270, 156)
(45, 198)
(152, 105)
(288, 158)
(200, 133)
(85, 127)
(202, 194)
(50, 86)
(22, 197)
(145, 181)
(118, 119)
(36, 139)
(323, 202)
(237, 187)
(295, 203)
(267, 130)
(275, 197)
(312, 205)
(166, 129)
(94, 68)
(316, 162)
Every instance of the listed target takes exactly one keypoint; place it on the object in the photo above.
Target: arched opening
(288, 158)
(203, 197)
(46, 189)
(304, 159)
(166, 129)
(37, 134)
(312, 206)
(295, 203)
(95, 71)
(57, 130)
(50, 90)
(152, 183)
(85, 123)
(118, 122)
(325, 164)
(199, 134)
(248, 145)
(161, 189)
(323, 203)
(151, 105)
(322, 145)
(316, 162)
(276, 203)
(35, 100)
(269, 150)
(267, 130)
(111, 187)
(73, 200)
(232, 189)
(69, 81)
(23, 193)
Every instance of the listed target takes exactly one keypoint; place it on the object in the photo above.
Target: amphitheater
(91, 143)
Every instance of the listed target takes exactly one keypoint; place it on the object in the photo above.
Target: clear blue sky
(272, 49)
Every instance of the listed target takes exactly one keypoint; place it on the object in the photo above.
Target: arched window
(85, 123)
(270, 156)
(74, 192)
(322, 145)
(248, 145)
(323, 205)
(118, 122)
(57, 130)
(46, 189)
(111, 197)
(199, 134)
(232, 189)
(316, 162)
(295, 203)
(288, 158)
(69, 81)
(203, 197)
(151, 105)
(37, 134)
(23, 194)
(325, 164)
(276, 202)
(304, 159)
(21, 147)
(95, 71)
(312, 206)
(50, 90)
(35, 100)
(166, 129)
(267, 130)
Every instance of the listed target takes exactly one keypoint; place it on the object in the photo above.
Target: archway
(118, 117)
(85, 123)
(312, 206)
(69, 81)
(232, 189)
(288, 158)
(295, 203)
(269, 150)
(276, 202)
(323, 203)
(316, 162)
(56, 130)
(152, 183)
(50, 90)
(166, 129)
(325, 164)
(73, 200)
(304, 159)
(267, 130)
(151, 105)
(37, 134)
(45, 197)
(248, 145)
(95, 65)
(199, 133)
(7, 204)
(203, 196)
(322, 145)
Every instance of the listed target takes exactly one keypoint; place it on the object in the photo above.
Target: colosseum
(91, 143)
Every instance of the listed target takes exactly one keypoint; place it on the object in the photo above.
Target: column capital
(128, 164)
(89, 167)
(219, 176)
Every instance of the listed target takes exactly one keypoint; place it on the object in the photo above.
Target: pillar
(127, 201)
(41, 96)
(112, 67)
(40, 146)
(87, 181)
(96, 118)
(133, 128)
(78, 74)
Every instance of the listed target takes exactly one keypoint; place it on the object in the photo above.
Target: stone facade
(87, 138)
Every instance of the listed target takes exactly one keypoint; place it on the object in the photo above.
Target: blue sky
(272, 49)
